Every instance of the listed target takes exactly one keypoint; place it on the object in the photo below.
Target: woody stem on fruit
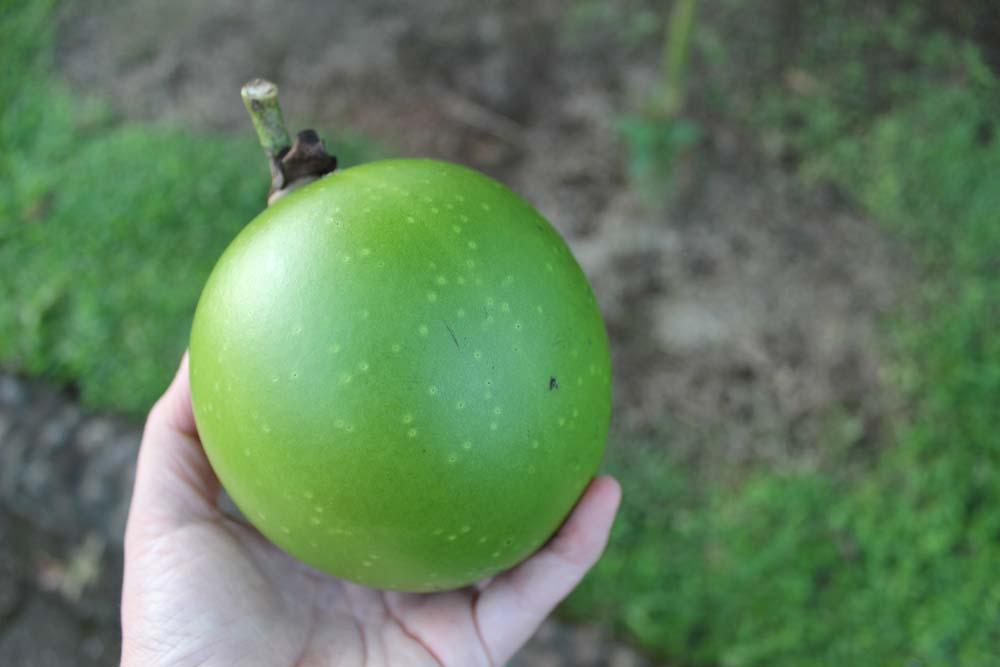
(293, 164)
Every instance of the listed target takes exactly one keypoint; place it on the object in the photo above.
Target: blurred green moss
(108, 230)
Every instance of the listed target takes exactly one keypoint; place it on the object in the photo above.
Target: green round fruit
(400, 375)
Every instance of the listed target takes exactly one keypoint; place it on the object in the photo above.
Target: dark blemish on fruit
(454, 338)
(553, 383)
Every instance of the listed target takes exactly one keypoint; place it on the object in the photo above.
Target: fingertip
(174, 479)
(174, 407)
(608, 489)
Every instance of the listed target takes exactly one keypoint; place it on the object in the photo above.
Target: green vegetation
(659, 134)
(107, 230)
(897, 566)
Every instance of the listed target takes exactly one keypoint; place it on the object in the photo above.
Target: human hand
(204, 588)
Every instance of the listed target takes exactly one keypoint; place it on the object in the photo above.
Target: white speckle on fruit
(432, 390)
(505, 307)
(315, 521)
(452, 537)
(412, 433)
(472, 245)
(435, 210)
(488, 395)
(548, 267)
(349, 428)
(460, 405)
(286, 530)
(265, 428)
(410, 219)
(562, 421)
(452, 459)
(365, 314)
(345, 259)
(366, 563)
(423, 330)
(318, 508)
(335, 348)
(541, 311)
(441, 280)
(495, 554)
(339, 423)
(489, 319)
(518, 326)
(467, 445)
(531, 470)
(461, 311)
(363, 367)
(494, 426)
(261, 516)
(471, 263)
(489, 302)
(294, 375)
(345, 378)
(456, 229)
(576, 413)
(407, 418)
(485, 206)
(432, 296)
(534, 444)
(482, 540)
(498, 410)
(461, 280)
(396, 347)
(579, 381)
(450, 207)
(308, 494)
(477, 355)
(246, 452)
(365, 252)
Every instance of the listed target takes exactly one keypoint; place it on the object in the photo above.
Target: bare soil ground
(744, 313)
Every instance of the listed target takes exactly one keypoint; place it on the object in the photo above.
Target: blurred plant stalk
(668, 101)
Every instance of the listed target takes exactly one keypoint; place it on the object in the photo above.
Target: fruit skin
(400, 375)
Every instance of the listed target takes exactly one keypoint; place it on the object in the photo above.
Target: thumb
(174, 482)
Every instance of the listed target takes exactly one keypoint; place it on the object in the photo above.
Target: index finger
(512, 606)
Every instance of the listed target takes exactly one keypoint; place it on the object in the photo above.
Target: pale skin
(203, 588)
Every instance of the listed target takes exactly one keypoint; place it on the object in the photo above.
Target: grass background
(108, 230)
